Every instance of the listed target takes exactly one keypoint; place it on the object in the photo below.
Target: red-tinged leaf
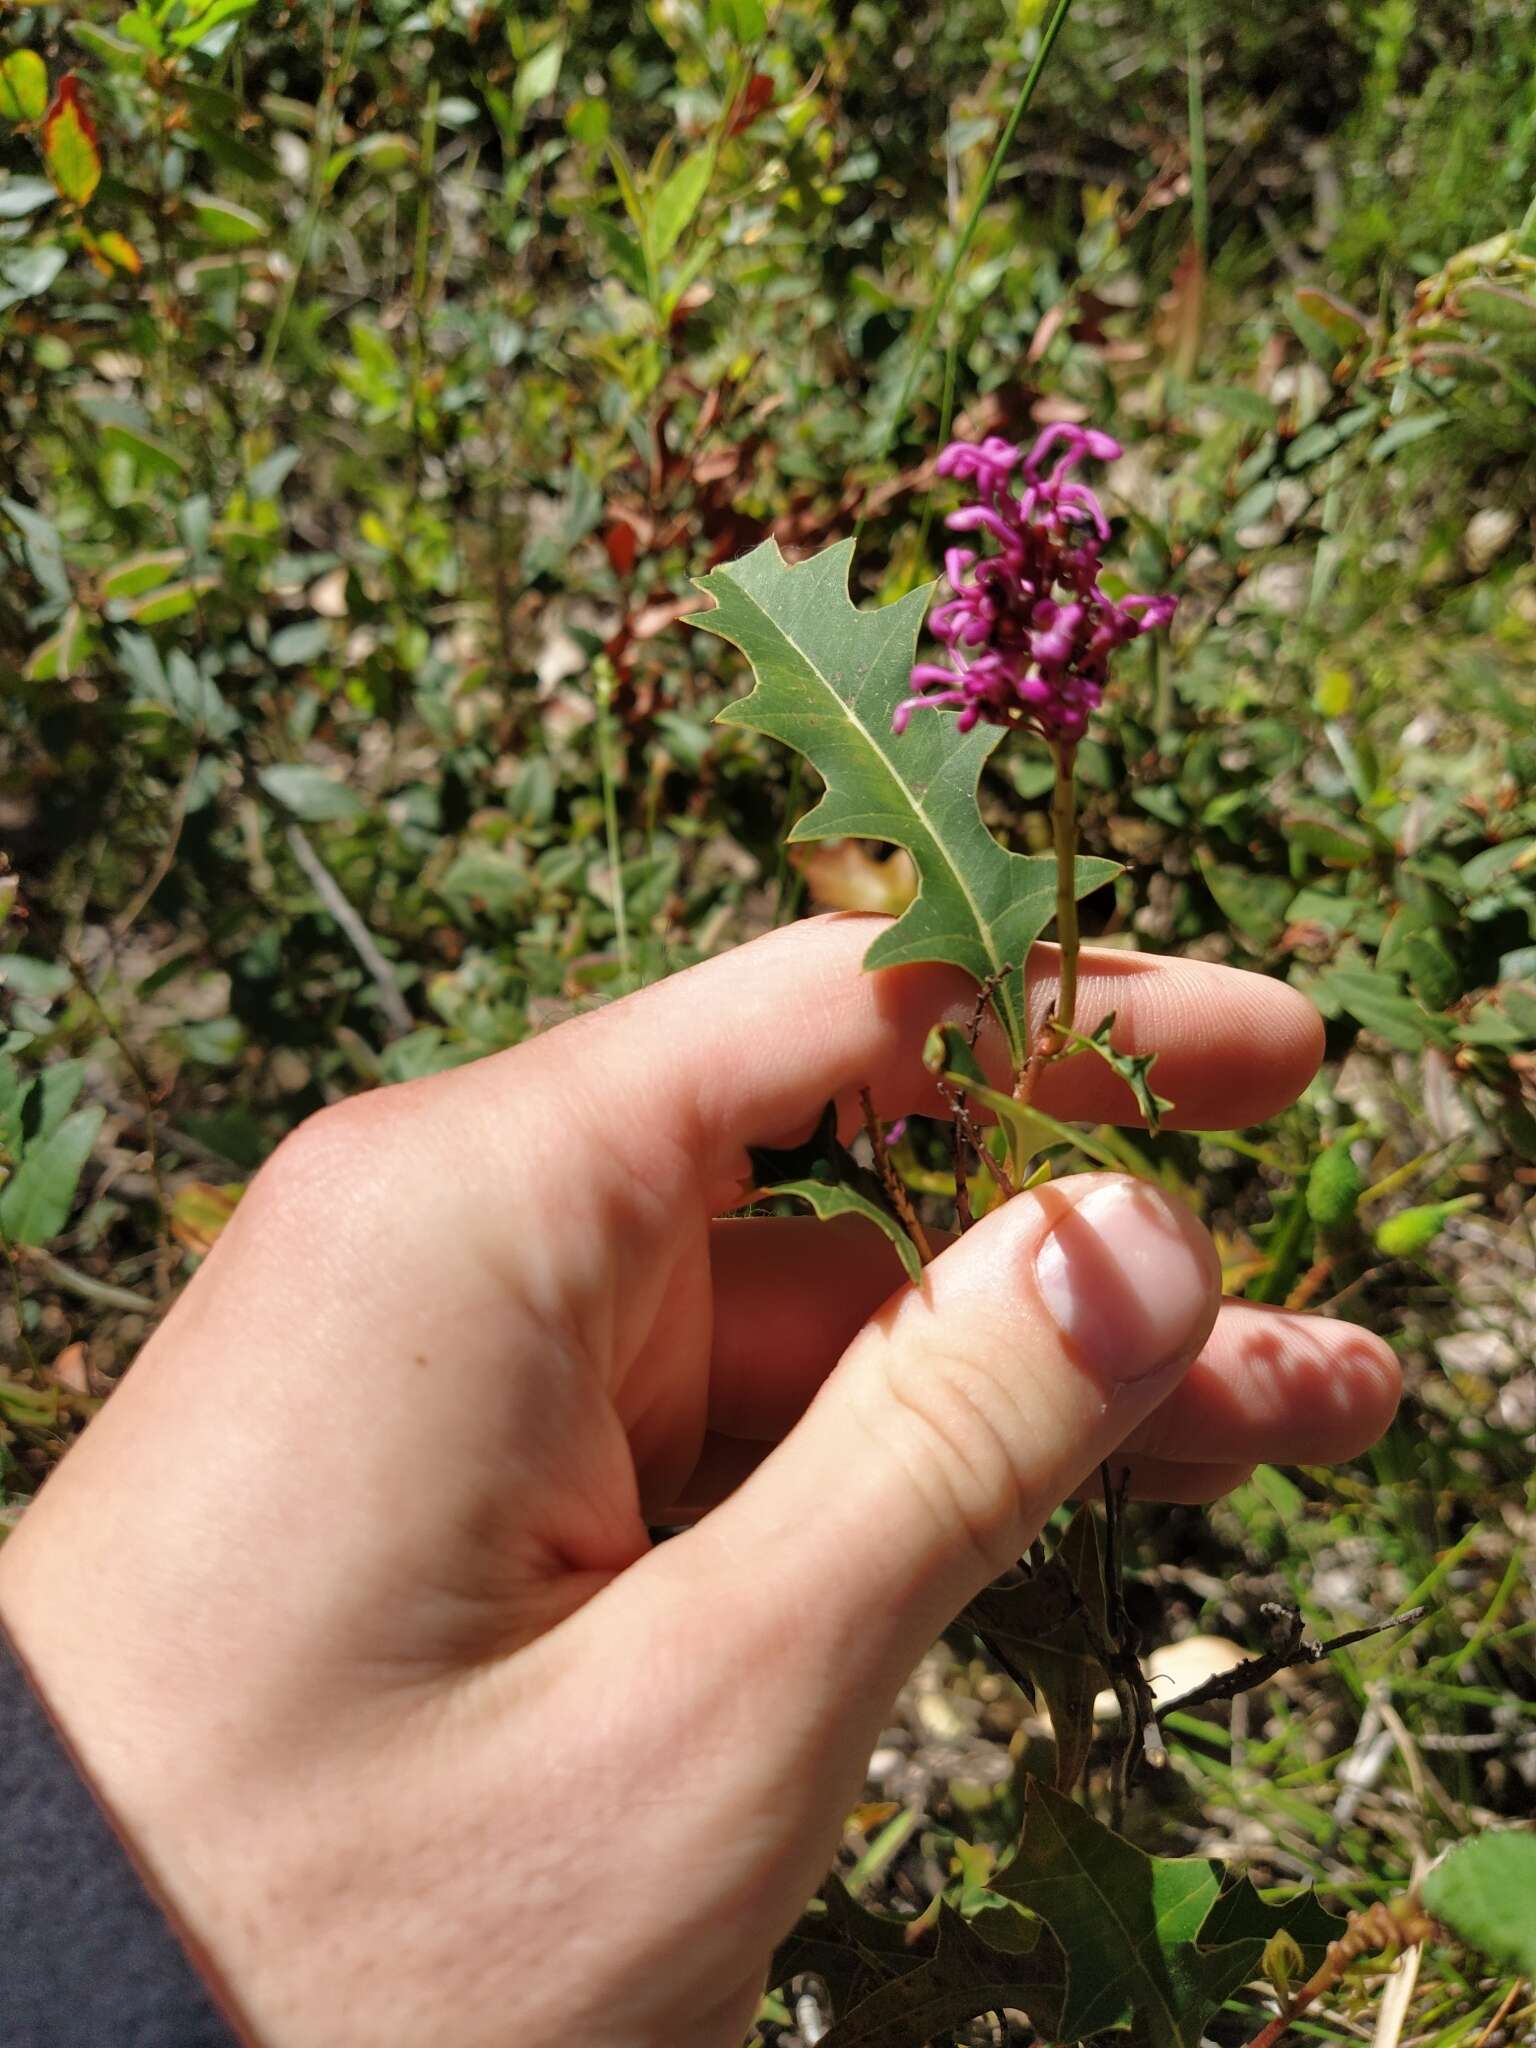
(621, 541)
(757, 97)
(23, 86)
(70, 147)
(113, 251)
(1180, 312)
(1344, 327)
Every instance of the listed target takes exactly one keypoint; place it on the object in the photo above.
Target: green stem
(338, 77)
(1055, 1032)
(1064, 837)
(962, 248)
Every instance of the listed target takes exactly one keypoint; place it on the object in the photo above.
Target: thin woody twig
(1255, 1671)
(1138, 1709)
(959, 1152)
(357, 934)
(895, 1187)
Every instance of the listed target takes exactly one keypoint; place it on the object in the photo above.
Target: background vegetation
(374, 377)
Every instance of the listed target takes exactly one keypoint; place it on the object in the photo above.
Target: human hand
(346, 1600)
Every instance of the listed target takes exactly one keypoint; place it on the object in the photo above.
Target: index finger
(746, 1049)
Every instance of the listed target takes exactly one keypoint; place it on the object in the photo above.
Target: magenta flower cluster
(1029, 627)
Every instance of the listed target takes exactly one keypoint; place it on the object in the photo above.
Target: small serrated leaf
(964, 1977)
(829, 679)
(1051, 1625)
(1134, 1068)
(950, 1059)
(824, 1175)
(834, 1198)
(1242, 1914)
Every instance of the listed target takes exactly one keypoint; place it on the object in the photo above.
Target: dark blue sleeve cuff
(87, 1957)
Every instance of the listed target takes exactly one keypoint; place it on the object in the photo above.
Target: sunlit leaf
(143, 572)
(679, 200)
(824, 1175)
(222, 221)
(309, 792)
(538, 75)
(199, 20)
(71, 151)
(115, 51)
(1485, 1891)
(23, 86)
(170, 601)
(21, 196)
(1130, 1926)
(377, 154)
(829, 679)
(151, 456)
(200, 1212)
(113, 251)
(35, 1202)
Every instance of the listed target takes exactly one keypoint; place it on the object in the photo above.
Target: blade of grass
(962, 248)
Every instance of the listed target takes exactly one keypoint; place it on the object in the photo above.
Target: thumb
(959, 1418)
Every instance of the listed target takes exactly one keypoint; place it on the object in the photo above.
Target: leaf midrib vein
(1135, 1947)
(983, 926)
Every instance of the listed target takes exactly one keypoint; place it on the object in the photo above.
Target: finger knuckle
(324, 1163)
(960, 1431)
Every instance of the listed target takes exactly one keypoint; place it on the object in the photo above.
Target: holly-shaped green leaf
(829, 679)
(851, 1948)
(894, 1984)
(1130, 1926)
(1134, 1069)
(1051, 1627)
(965, 1977)
(1243, 1914)
(824, 1175)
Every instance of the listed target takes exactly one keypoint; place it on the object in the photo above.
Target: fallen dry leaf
(847, 874)
(200, 1211)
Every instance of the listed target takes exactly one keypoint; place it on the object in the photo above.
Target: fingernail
(1130, 1278)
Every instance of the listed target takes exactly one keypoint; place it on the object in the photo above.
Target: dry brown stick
(895, 1187)
(1259, 1670)
(984, 995)
(1144, 1738)
(328, 889)
(959, 1150)
(1505, 2007)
